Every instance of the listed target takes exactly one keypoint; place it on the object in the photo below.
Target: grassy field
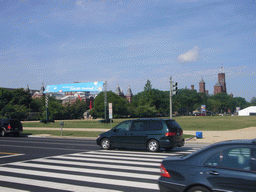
(70, 133)
(64, 133)
(194, 123)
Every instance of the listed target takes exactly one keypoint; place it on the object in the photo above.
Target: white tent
(249, 111)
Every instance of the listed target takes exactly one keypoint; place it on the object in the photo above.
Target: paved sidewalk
(216, 136)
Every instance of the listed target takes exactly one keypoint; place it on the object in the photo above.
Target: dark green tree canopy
(119, 104)
(148, 86)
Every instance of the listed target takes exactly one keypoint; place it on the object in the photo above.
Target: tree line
(150, 102)
(18, 104)
(153, 102)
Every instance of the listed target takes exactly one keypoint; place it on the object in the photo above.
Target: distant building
(249, 111)
(38, 94)
(220, 86)
(128, 95)
(202, 86)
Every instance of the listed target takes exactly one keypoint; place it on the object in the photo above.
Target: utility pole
(46, 105)
(171, 97)
(105, 98)
(173, 91)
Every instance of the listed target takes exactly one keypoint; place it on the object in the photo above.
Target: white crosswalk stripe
(87, 171)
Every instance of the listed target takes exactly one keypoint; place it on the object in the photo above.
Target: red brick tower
(217, 88)
(222, 81)
(129, 95)
(202, 86)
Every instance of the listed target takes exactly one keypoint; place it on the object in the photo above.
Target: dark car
(224, 166)
(152, 134)
(10, 126)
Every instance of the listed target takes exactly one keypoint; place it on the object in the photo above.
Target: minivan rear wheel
(153, 145)
(105, 144)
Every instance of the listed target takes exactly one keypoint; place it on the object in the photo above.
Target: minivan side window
(155, 125)
(123, 126)
(139, 126)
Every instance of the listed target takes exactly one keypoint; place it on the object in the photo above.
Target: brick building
(128, 95)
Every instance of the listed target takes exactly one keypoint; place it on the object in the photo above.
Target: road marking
(108, 161)
(98, 165)
(91, 179)
(5, 189)
(116, 157)
(128, 154)
(52, 185)
(7, 154)
(98, 170)
(84, 170)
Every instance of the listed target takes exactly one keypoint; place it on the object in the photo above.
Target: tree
(240, 102)
(186, 99)
(148, 86)
(76, 110)
(14, 104)
(5, 97)
(155, 98)
(119, 104)
(253, 101)
(21, 97)
(224, 101)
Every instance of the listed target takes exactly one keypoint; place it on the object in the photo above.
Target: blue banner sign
(75, 87)
(203, 108)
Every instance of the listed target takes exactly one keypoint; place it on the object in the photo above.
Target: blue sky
(126, 42)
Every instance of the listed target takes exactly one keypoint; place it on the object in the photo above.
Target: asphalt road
(56, 164)
(24, 148)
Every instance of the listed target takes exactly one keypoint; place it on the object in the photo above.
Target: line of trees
(151, 102)
(18, 104)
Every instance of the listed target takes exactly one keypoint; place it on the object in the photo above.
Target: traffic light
(174, 88)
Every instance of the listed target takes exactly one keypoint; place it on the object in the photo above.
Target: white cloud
(189, 56)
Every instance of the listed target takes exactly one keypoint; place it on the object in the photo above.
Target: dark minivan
(152, 134)
(10, 126)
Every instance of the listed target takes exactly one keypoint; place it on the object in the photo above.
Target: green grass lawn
(194, 123)
(64, 133)
(70, 133)
(215, 123)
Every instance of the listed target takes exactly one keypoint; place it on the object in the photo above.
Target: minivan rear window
(173, 125)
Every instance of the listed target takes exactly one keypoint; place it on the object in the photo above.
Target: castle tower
(119, 91)
(42, 90)
(129, 95)
(202, 86)
(222, 81)
(217, 88)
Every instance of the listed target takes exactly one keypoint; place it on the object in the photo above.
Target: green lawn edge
(71, 133)
(188, 123)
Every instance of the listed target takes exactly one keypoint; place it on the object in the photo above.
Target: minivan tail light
(168, 134)
(9, 126)
(164, 172)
